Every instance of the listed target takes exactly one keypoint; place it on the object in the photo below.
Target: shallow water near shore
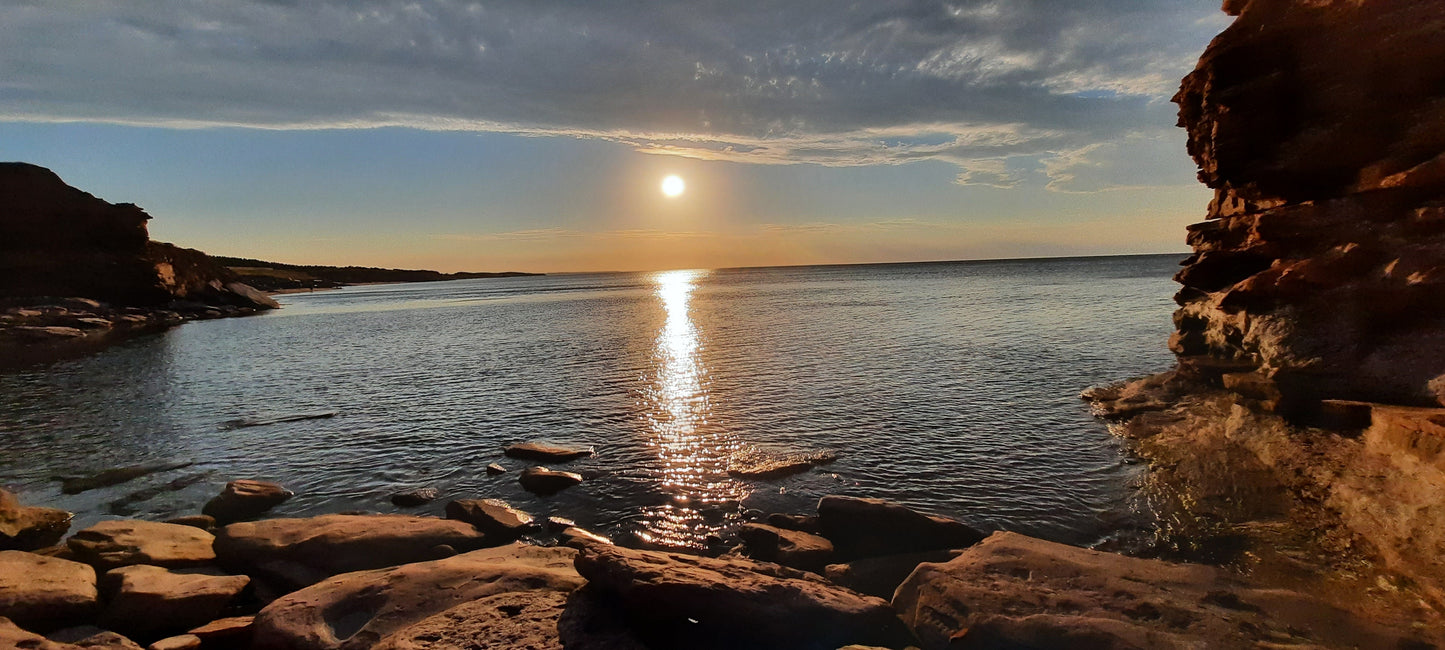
(949, 387)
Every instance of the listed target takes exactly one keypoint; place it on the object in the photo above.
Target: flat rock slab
(25, 528)
(111, 544)
(873, 527)
(544, 481)
(147, 599)
(45, 593)
(494, 517)
(178, 642)
(688, 601)
(244, 499)
(545, 452)
(223, 631)
(792, 548)
(764, 466)
(294, 553)
(357, 610)
(524, 620)
(1017, 591)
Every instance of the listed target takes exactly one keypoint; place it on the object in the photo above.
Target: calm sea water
(951, 387)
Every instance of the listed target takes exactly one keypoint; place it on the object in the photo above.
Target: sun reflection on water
(693, 452)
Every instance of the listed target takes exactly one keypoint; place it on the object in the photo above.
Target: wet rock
(266, 421)
(145, 599)
(180, 642)
(495, 469)
(861, 527)
(764, 466)
(558, 524)
(44, 593)
(698, 602)
(791, 548)
(25, 528)
(880, 576)
(805, 523)
(540, 480)
(203, 522)
(115, 476)
(1016, 591)
(245, 499)
(574, 536)
(357, 610)
(494, 517)
(293, 553)
(126, 504)
(415, 497)
(545, 452)
(111, 544)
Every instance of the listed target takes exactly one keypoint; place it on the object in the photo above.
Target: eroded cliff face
(1320, 124)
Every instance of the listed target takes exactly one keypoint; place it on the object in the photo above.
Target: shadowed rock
(414, 498)
(688, 601)
(494, 517)
(873, 527)
(25, 528)
(880, 576)
(541, 480)
(293, 553)
(111, 544)
(44, 593)
(244, 499)
(143, 600)
(357, 610)
(545, 452)
(791, 548)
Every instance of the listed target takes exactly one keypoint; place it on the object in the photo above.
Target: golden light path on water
(693, 451)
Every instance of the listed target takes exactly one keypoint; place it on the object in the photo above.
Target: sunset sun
(673, 186)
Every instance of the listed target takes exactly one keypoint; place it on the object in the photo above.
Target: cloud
(993, 87)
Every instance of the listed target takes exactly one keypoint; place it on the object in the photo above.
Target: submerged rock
(494, 517)
(25, 528)
(357, 610)
(541, 480)
(1017, 591)
(244, 499)
(697, 602)
(763, 466)
(111, 544)
(414, 498)
(293, 553)
(145, 599)
(115, 476)
(45, 593)
(545, 452)
(861, 527)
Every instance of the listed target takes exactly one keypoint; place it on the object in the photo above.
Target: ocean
(949, 387)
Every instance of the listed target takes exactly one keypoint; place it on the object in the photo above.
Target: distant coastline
(275, 277)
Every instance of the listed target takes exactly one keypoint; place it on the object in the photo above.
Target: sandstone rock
(294, 553)
(111, 544)
(558, 524)
(790, 548)
(12, 636)
(415, 497)
(234, 630)
(495, 469)
(525, 620)
(574, 536)
(1016, 591)
(804, 523)
(689, 601)
(494, 517)
(861, 527)
(147, 599)
(28, 528)
(44, 593)
(541, 480)
(880, 576)
(181, 642)
(98, 639)
(245, 499)
(203, 522)
(358, 610)
(761, 465)
(545, 452)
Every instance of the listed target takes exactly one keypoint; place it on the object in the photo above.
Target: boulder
(415, 497)
(358, 610)
(111, 544)
(245, 499)
(1017, 591)
(689, 601)
(792, 548)
(145, 599)
(179, 642)
(44, 593)
(293, 553)
(28, 528)
(880, 576)
(805, 523)
(764, 466)
(861, 527)
(545, 452)
(495, 469)
(230, 631)
(540, 480)
(494, 517)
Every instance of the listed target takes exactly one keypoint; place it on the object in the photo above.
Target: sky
(534, 136)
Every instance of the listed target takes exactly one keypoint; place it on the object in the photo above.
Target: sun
(673, 185)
